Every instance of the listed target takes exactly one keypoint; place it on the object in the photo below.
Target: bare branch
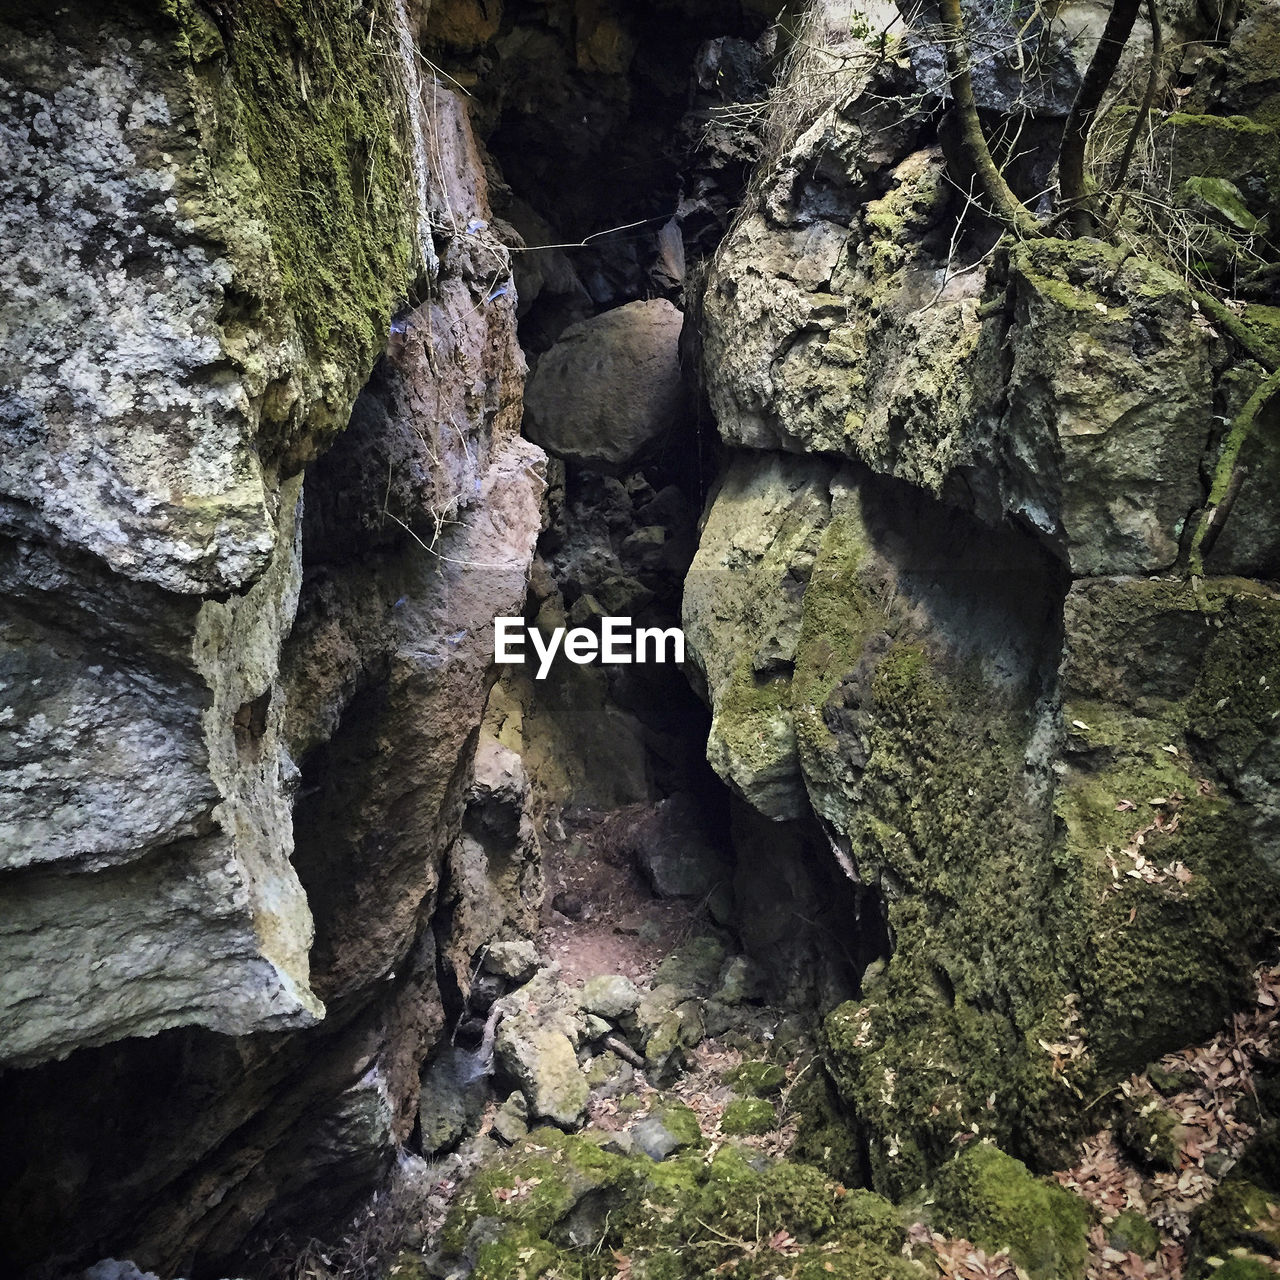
(1144, 111)
(1102, 66)
(1004, 204)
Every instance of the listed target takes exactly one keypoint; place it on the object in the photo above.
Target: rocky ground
(647, 1114)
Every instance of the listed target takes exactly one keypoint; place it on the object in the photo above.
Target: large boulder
(238, 725)
(611, 387)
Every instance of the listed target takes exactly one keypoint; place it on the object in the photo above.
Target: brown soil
(615, 925)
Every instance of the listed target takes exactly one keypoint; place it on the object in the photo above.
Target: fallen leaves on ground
(1210, 1131)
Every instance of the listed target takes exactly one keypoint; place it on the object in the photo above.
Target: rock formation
(241, 697)
(331, 332)
(939, 604)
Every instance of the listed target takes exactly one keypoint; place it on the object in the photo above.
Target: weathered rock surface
(834, 322)
(742, 619)
(676, 850)
(536, 1046)
(960, 665)
(611, 387)
(238, 719)
(609, 996)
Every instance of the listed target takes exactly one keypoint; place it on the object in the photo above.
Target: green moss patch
(1238, 1223)
(993, 1200)
(758, 1078)
(303, 116)
(748, 1116)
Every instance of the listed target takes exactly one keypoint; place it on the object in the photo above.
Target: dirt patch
(600, 916)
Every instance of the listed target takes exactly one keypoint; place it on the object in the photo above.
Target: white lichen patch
(119, 422)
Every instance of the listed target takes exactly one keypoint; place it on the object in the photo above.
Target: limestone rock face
(834, 324)
(939, 616)
(542, 1062)
(169, 360)
(611, 387)
(540, 1029)
(742, 612)
(238, 702)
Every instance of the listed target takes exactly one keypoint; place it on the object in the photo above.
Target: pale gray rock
(511, 1123)
(211, 692)
(832, 325)
(79, 950)
(742, 614)
(515, 958)
(542, 1061)
(611, 387)
(611, 996)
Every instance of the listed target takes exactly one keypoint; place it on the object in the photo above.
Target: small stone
(113, 1269)
(620, 1143)
(746, 1116)
(516, 960)
(597, 1027)
(740, 979)
(692, 1028)
(610, 996)
(671, 1128)
(511, 1123)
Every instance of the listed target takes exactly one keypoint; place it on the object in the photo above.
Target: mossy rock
(407, 1265)
(1259, 1163)
(871, 1217)
(745, 1116)
(306, 113)
(693, 966)
(669, 1127)
(524, 1255)
(1232, 147)
(759, 1079)
(681, 1122)
(678, 1220)
(1239, 1220)
(534, 1185)
(825, 1136)
(1152, 1132)
(993, 1200)
(1132, 1233)
(1171, 1082)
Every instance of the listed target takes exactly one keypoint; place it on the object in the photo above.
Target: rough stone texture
(231, 710)
(542, 1062)
(970, 816)
(676, 849)
(611, 387)
(831, 326)
(609, 996)
(493, 873)
(951, 665)
(168, 362)
(197, 918)
(537, 1038)
(742, 619)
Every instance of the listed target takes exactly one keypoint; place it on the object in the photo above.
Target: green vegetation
(757, 1078)
(557, 1203)
(748, 1115)
(992, 1199)
(303, 117)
